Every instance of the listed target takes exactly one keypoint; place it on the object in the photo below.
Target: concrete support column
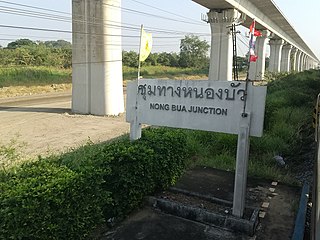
(275, 54)
(97, 83)
(293, 64)
(303, 62)
(221, 43)
(306, 63)
(309, 63)
(298, 61)
(285, 58)
(257, 69)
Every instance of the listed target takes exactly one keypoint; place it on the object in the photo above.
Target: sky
(177, 17)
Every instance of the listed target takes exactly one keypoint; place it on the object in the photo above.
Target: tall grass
(33, 76)
(288, 131)
(40, 76)
(163, 72)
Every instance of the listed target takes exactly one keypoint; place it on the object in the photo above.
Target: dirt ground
(44, 124)
(277, 202)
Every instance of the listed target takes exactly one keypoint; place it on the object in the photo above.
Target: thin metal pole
(248, 69)
(139, 57)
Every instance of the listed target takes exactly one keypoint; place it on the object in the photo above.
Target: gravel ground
(45, 125)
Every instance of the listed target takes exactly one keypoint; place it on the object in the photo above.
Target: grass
(164, 72)
(40, 76)
(21, 81)
(10, 153)
(33, 76)
(288, 132)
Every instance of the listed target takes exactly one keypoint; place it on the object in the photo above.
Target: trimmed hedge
(66, 197)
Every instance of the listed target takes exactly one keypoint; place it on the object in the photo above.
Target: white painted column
(303, 62)
(221, 43)
(294, 53)
(275, 54)
(285, 58)
(97, 83)
(298, 61)
(257, 69)
(308, 63)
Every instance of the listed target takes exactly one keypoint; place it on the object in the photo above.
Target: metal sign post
(240, 184)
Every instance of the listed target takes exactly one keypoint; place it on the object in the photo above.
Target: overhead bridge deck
(288, 51)
(267, 15)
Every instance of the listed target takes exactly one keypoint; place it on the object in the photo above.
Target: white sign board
(215, 106)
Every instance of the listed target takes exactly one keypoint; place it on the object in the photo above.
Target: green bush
(65, 197)
(43, 200)
(171, 151)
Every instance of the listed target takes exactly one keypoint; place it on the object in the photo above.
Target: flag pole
(139, 58)
(135, 126)
(244, 114)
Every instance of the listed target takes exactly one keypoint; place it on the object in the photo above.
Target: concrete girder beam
(267, 16)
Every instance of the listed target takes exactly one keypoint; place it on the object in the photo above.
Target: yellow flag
(145, 45)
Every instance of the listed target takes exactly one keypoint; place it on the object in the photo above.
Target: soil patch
(277, 202)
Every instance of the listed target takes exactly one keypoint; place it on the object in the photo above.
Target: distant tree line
(25, 52)
(193, 53)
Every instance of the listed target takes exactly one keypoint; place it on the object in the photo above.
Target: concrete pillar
(97, 83)
(293, 64)
(275, 54)
(303, 62)
(257, 69)
(308, 63)
(285, 58)
(298, 61)
(221, 43)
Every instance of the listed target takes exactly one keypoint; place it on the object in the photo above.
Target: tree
(152, 59)
(20, 43)
(193, 52)
(58, 44)
(130, 59)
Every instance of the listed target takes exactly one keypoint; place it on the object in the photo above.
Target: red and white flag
(252, 43)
